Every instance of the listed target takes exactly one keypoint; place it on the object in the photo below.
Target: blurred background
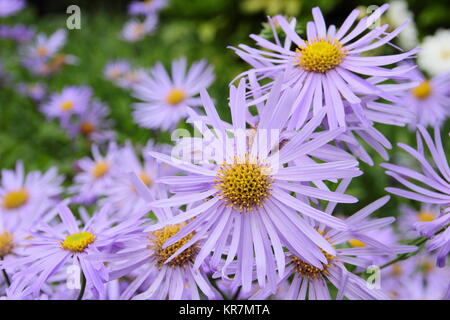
(196, 29)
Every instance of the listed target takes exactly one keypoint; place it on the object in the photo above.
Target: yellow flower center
(159, 237)
(355, 243)
(87, 128)
(321, 55)
(67, 105)
(427, 266)
(244, 185)
(311, 272)
(445, 54)
(175, 96)
(6, 243)
(397, 269)
(425, 216)
(42, 51)
(145, 178)
(422, 91)
(78, 242)
(15, 199)
(100, 169)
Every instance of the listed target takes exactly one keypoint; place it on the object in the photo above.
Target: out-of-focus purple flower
(36, 91)
(310, 281)
(429, 102)
(72, 100)
(116, 69)
(429, 185)
(91, 123)
(146, 7)
(10, 7)
(167, 99)
(135, 30)
(122, 194)
(96, 173)
(19, 32)
(245, 194)
(51, 249)
(326, 69)
(27, 196)
(409, 216)
(131, 78)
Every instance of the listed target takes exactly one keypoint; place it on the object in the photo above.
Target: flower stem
(83, 286)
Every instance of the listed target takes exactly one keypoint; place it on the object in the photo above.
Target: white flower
(435, 54)
(397, 14)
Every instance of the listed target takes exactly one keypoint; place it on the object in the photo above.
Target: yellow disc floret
(100, 169)
(86, 128)
(311, 272)
(425, 216)
(355, 243)
(244, 185)
(15, 199)
(67, 105)
(159, 237)
(320, 55)
(78, 242)
(175, 96)
(6, 243)
(145, 178)
(422, 91)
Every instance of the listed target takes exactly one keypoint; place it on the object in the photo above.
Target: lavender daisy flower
(310, 282)
(26, 196)
(92, 124)
(429, 101)
(122, 194)
(36, 91)
(431, 185)
(72, 100)
(326, 69)
(19, 32)
(10, 7)
(135, 30)
(96, 173)
(168, 99)
(45, 47)
(147, 254)
(146, 7)
(116, 69)
(51, 249)
(246, 194)
(409, 216)
(131, 78)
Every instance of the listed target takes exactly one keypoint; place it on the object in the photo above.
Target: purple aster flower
(168, 99)
(131, 78)
(429, 101)
(92, 123)
(247, 194)
(429, 185)
(122, 194)
(72, 100)
(10, 7)
(409, 216)
(310, 282)
(36, 91)
(27, 196)
(53, 248)
(116, 69)
(46, 46)
(19, 32)
(145, 258)
(96, 173)
(146, 7)
(329, 67)
(135, 30)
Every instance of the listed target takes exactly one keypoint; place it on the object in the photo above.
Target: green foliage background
(196, 29)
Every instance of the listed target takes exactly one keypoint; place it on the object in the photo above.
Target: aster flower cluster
(79, 114)
(250, 207)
